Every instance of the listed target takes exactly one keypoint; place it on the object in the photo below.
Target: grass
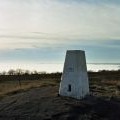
(13, 87)
(100, 84)
(105, 88)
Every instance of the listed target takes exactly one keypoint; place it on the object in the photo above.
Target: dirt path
(44, 104)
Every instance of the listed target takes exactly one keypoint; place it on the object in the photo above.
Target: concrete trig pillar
(74, 81)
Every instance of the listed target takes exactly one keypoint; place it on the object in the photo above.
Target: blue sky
(42, 30)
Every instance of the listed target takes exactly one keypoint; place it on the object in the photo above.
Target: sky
(40, 31)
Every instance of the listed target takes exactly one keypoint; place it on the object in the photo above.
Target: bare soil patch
(44, 104)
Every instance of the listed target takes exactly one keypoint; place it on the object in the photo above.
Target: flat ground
(43, 103)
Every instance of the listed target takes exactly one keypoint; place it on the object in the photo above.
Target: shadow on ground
(44, 104)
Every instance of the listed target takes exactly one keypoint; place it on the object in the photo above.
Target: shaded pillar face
(74, 81)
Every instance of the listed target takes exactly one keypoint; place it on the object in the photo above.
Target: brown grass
(13, 87)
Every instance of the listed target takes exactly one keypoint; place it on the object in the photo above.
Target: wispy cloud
(47, 16)
(91, 1)
(29, 27)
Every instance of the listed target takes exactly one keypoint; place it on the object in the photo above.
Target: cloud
(47, 40)
(82, 19)
(91, 1)
(41, 26)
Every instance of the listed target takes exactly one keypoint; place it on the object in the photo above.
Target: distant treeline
(104, 75)
(20, 74)
(28, 72)
(30, 76)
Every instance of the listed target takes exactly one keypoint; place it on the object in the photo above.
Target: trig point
(74, 81)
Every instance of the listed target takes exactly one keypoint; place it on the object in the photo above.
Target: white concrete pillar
(74, 81)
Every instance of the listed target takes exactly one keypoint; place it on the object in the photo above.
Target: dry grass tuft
(13, 87)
